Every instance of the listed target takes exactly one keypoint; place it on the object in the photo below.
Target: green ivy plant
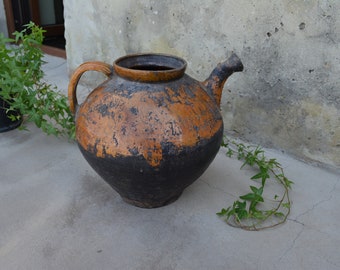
(23, 88)
(250, 212)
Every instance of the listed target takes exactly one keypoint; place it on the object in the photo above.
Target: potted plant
(24, 95)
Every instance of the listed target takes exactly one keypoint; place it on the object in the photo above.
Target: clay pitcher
(150, 130)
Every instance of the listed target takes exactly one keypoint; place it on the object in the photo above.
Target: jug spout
(220, 74)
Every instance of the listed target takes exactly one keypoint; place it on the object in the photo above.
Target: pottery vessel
(7, 123)
(150, 130)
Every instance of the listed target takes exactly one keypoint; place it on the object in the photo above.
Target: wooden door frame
(36, 18)
(9, 17)
(51, 30)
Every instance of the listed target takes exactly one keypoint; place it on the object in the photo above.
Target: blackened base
(143, 185)
(142, 204)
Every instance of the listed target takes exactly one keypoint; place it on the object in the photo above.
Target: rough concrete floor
(56, 213)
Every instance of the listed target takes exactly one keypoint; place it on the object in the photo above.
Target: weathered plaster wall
(288, 97)
(3, 24)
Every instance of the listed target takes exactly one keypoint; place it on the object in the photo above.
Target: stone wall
(287, 98)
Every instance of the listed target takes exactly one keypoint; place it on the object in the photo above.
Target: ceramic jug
(150, 130)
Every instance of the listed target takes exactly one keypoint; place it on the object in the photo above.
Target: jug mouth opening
(150, 67)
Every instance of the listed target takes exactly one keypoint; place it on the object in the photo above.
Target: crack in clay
(303, 224)
(296, 221)
(316, 204)
(217, 188)
(292, 244)
(332, 263)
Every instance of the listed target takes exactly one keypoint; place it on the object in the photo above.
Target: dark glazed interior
(150, 67)
(153, 62)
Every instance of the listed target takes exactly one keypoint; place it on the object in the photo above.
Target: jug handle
(87, 66)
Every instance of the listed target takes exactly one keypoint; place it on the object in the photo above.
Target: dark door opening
(49, 14)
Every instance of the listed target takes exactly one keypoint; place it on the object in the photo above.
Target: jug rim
(150, 67)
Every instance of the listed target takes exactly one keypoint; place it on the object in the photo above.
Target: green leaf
(286, 205)
(258, 215)
(256, 190)
(257, 176)
(279, 214)
(248, 197)
(230, 153)
(223, 212)
(240, 210)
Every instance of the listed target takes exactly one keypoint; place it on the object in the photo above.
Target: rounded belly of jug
(143, 185)
(149, 141)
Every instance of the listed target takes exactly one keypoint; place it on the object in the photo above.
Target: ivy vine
(251, 212)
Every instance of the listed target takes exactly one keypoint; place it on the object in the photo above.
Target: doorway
(49, 14)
